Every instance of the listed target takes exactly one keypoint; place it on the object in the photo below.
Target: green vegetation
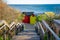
(45, 37)
(42, 17)
(21, 17)
(1, 38)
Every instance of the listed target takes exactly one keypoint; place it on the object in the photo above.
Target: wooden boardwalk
(28, 34)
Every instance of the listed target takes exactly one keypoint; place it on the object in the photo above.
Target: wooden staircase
(18, 31)
(28, 34)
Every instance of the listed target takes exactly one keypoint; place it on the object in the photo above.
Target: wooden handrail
(48, 27)
(4, 22)
(13, 23)
(11, 28)
(18, 23)
(2, 27)
(40, 26)
(56, 21)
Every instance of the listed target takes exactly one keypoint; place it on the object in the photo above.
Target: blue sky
(33, 1)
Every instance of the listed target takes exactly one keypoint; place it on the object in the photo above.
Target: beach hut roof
(28, 13)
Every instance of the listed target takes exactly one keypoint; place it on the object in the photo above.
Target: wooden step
(28, 34)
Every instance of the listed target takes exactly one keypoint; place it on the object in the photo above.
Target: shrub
(42, 17)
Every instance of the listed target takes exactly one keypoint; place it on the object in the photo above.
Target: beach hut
(32, 19)
(27, 17)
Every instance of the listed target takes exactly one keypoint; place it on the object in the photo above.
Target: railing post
(16, 30)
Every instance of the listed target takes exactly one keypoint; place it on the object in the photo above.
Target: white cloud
(33, 1)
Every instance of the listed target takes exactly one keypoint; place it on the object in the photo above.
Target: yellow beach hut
(32, 19)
